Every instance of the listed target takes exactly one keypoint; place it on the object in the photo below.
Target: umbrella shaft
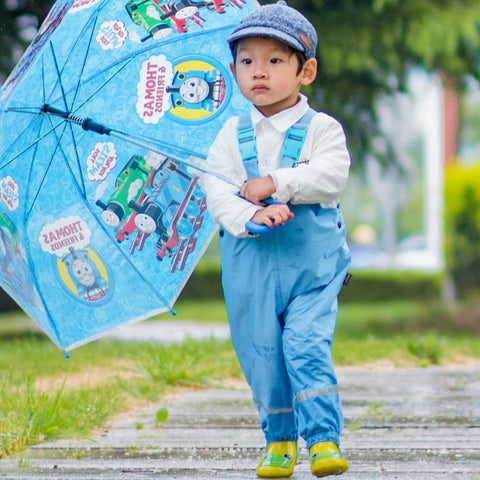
(91, 125)
(85, 123)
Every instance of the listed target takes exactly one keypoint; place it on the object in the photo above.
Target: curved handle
(260, 228)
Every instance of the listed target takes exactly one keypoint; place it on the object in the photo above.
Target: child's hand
(257, 189)
(273, 215)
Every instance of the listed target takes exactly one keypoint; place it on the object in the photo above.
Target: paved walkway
(402, 424)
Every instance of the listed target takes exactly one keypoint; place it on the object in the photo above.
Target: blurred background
(402, 77)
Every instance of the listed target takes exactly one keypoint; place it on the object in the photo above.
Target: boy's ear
(309, 71)
(232, 69)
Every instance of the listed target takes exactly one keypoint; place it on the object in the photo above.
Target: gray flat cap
(281, 22)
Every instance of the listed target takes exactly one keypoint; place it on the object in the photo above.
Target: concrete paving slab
(402, 424)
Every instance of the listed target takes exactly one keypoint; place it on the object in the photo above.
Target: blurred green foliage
(365, 285)
(367, 48)
(462, 225)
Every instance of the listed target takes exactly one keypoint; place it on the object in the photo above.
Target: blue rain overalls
(281, 297)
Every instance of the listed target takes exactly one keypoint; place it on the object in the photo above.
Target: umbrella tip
(66, 355)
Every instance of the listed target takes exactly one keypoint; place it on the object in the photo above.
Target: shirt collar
(283, 120)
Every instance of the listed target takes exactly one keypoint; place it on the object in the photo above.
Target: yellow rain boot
(326, 459)
(278, 460)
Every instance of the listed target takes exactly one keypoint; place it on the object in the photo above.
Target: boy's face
(266, 71)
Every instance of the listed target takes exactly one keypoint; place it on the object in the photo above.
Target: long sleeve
(321, 173)
(226, 207)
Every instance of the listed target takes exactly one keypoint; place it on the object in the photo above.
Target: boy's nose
(259, 72)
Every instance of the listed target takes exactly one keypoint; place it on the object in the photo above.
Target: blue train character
(168, 209)
(197, 90)
(183, 9)
(83, 272)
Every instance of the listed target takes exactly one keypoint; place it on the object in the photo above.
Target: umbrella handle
(260, 228)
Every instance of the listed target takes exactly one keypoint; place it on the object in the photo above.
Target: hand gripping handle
(260, 228)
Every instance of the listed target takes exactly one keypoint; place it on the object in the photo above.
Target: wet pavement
(402, 424)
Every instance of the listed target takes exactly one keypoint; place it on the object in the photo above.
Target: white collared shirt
(319, 176)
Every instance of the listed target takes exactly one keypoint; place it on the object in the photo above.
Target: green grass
(44, 396)
(29, 416)
(199, 311)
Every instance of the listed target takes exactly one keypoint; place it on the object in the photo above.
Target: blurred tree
(19, 22)
(366, 49)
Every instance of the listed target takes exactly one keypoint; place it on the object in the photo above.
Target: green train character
(150, 16)
(135, 176)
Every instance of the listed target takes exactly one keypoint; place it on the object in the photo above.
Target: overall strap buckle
(295, 138)
(246, 138)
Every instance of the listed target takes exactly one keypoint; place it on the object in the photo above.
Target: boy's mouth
(259, 87)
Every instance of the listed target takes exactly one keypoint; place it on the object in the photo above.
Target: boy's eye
(246, 61)
(275, 60)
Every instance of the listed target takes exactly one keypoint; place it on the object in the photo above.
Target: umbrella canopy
(102, 220)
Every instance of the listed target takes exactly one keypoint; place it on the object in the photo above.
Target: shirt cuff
(285, 183)
(237, 227)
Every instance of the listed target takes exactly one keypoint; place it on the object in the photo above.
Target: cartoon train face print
(84, 274)
(79, 268)
(197, 90)
(156, 203)
(129, 186)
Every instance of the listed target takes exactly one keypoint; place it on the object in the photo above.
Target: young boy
(281, 288)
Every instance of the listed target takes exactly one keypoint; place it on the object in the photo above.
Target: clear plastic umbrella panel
(102, 220)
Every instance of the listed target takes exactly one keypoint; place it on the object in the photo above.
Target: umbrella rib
(59, 77)
(87, 50)
(45, 172)
(148, 144)
(14, 142)
(34, 143)
(127, 59)
(106, 82)
(85, 58)
(64, 98)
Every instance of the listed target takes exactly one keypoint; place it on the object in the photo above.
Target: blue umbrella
(105, 122)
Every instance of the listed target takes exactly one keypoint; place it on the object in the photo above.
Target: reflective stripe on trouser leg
(311, 373)
(257, 338)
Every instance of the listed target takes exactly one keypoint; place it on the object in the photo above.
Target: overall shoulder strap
(292, 145)
(295, 138)
(247, 145)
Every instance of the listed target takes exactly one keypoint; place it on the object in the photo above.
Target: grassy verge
(45, 397)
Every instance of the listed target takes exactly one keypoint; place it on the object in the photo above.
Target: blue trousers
(281, 294)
